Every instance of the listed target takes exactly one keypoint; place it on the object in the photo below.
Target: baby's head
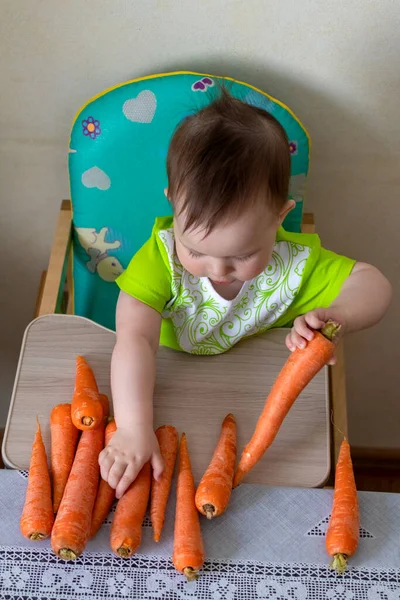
(228, 177)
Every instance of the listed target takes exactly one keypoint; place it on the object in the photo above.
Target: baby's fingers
(302, 330)
(105, 461)
(130, 474)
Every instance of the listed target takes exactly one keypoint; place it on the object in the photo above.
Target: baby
(223, 268)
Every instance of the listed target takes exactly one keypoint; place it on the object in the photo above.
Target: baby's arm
(363, 300)
(132, 384)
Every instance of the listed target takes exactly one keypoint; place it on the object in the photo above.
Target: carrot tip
(35, 536)
(190, 573)
(124, 552)
(156, 537)
(209, 511)
(67, 554)
(339, 563)
(331, 330)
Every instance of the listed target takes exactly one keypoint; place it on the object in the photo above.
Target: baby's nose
(220, 269)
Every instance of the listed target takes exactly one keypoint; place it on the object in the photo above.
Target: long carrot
(344, 525)
(126, 528)
(64, 437)
(214, 491)
(106, 405)
(167, 437)
(188, 556)
(300, 368)
(87, 408)
(105, 493)
(71, 529)
(37, 515)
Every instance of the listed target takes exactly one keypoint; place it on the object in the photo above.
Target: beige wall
(336, 63)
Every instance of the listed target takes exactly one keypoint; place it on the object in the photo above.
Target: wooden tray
(193, 393)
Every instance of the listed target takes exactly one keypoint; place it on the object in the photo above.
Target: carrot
(188, 556)
(37, 515)
(126, 528)
(71, 529)
(344, 525)
(105, 493)
(214, 491)
(167, 437)
(64, 437)
(87, 409)
(301, 366)
(106, 406)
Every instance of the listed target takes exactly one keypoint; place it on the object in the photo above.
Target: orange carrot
(214, 491)
(106, 406)
(344, 525)
(188, 556)
(64, 437)
(105, 493)
(37, 516)
(87, 408)
(126, 528)
(71, 529)
(167, 437)
(300, 368)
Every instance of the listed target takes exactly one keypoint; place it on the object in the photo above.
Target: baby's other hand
(304, 326)
(129, 449)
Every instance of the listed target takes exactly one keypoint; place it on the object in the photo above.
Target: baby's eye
(244, 258)
(194, 254)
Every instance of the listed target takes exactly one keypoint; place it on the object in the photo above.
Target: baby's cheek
(251, 269)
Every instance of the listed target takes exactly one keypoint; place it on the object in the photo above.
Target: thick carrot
(167, 437)
(126, 528)
(71, 529)
(105, 493)
(344, 525)
(106, 406)
(214, 491)
(188, 556)
(64, 437)
(87, 409)
(37, 515)
(300, 368)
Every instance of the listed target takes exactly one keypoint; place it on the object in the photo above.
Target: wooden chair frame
(55, 295)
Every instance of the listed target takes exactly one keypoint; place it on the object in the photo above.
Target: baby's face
(235, 251)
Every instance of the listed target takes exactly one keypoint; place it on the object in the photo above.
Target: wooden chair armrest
(308, 223)
(52, 288)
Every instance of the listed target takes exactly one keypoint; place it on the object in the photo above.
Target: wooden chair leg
(51, 291)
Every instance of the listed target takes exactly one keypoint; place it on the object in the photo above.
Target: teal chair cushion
(117, 165)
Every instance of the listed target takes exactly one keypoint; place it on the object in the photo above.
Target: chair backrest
(117, 165)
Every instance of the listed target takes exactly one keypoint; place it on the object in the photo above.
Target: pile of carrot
(72, 507)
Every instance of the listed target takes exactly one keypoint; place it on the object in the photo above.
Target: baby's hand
(304, 326)
(129, 449)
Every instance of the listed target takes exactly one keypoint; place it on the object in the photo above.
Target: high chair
(117, 157)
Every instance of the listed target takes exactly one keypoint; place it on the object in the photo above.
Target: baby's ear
(166, 193)
(289, 205)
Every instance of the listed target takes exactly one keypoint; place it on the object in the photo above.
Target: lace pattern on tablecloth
(37, 573)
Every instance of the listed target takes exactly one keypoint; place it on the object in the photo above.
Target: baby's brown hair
(222, 159)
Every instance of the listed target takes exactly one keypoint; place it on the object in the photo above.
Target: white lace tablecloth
(270, 544)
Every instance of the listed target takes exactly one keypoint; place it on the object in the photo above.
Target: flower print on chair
(202, 85)
(293, 148)
(91, 127)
